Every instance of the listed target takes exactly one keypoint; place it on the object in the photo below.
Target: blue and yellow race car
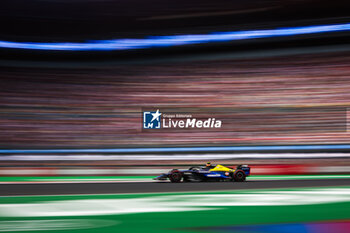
(210, 172)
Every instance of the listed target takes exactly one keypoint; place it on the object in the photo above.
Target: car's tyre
(175, 176)
(239, 176)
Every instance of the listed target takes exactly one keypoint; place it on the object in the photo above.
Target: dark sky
(62, 20)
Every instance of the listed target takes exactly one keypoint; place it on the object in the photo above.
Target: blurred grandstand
(274, 101)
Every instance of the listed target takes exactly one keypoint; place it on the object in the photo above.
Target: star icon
(156, 115)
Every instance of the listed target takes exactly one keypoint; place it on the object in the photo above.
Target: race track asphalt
(151, 187)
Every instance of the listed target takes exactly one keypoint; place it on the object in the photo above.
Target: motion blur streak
(182, 149)
(175, 40)
(174, 203)
(173, 157)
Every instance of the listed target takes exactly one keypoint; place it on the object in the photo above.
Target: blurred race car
(216, 173)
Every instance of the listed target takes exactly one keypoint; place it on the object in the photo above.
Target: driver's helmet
(208, 164)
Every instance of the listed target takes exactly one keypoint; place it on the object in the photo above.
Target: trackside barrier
(294, 169)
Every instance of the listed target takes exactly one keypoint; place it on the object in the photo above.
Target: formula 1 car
(216, 173)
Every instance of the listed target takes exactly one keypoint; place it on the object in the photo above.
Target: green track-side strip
(186, 221)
